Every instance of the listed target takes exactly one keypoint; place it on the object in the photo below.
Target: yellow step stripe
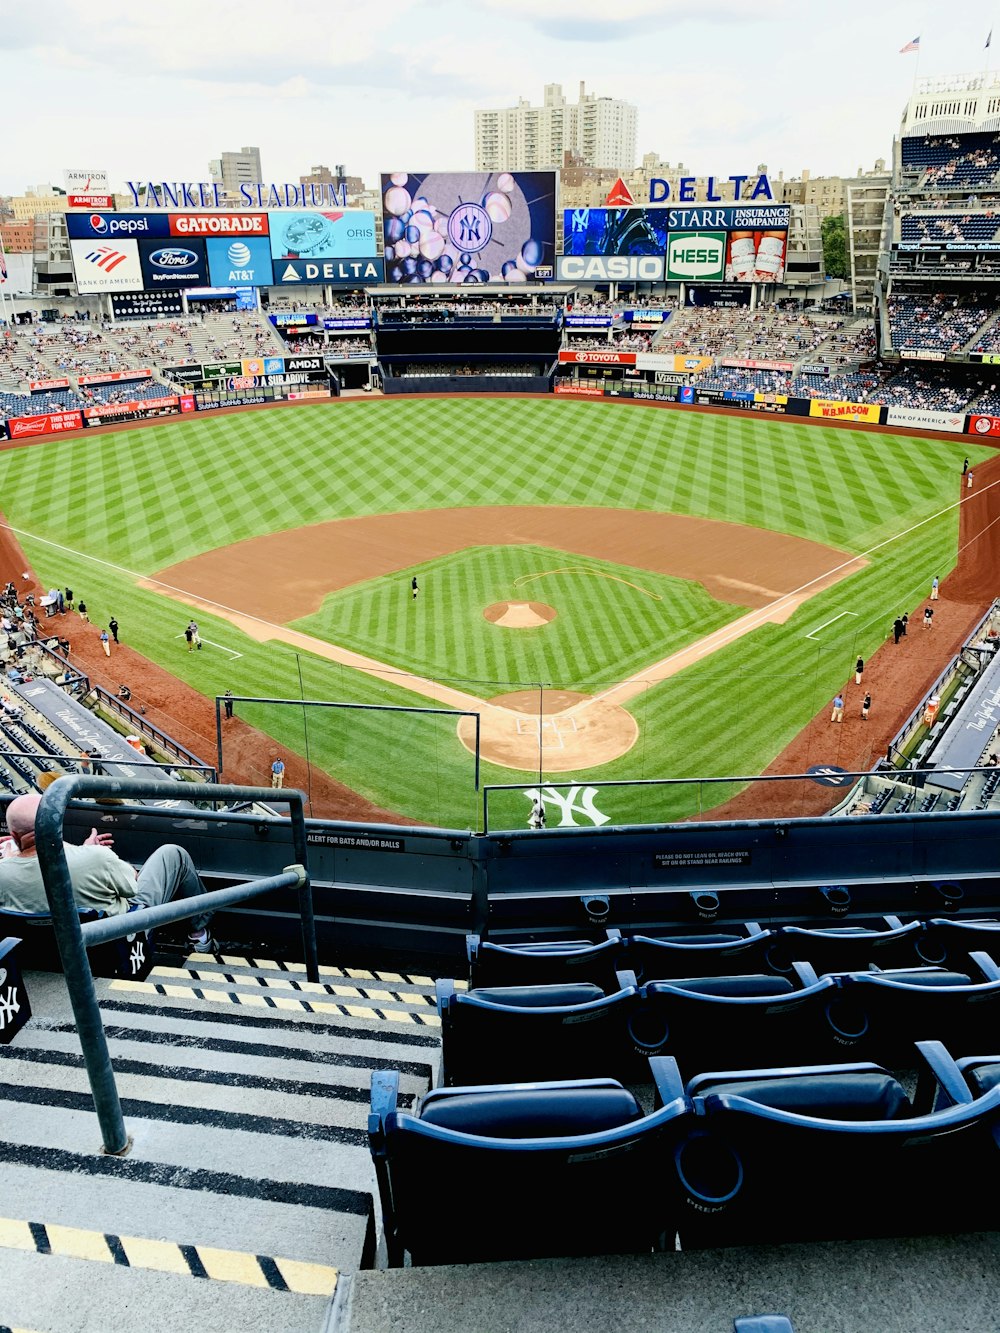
(255, 1001)
(165, 1256)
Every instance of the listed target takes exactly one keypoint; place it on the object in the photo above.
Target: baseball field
(621, 593)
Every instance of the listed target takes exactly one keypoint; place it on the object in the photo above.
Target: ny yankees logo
(9, 1006)
(567, 804)
(137, 955)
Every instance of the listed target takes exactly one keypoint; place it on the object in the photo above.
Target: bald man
(101, 879)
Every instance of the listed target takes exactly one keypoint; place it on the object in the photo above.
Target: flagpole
(3, 283)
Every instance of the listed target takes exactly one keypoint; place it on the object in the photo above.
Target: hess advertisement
(469, 227)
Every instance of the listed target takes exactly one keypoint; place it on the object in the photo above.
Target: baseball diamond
(296, 536)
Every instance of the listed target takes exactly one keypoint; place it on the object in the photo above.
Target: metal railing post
(76, 967)
(299, 843)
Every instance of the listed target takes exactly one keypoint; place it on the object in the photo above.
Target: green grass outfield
(140, 500)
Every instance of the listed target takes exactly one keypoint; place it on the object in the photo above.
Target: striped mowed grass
(141, 500)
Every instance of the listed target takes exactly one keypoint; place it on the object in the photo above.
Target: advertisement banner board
(579, 390)
(115, 226)
(593, 358)
(191, 374)
(287, 320)
(983, 425)
(361, 322)
(473, 227)
(838, 411)
(921, 354)
(338, 272)
(48, 423)
(725, 295)
(696, 256)
(219, 224)
(43, 386)
(589, 321)
(785, 366)
(107, 267)
(173, 265)
(952, 422)
(614, 231)
(143, 407)
(116, 377)
(610, 268)
(314, 236)
(240, 260)
(222, 370)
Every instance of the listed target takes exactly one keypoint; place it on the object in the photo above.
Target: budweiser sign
(47, 423)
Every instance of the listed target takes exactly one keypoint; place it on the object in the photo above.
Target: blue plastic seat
(761, 1018)
(946, 943)
(813, 1151)
(883, 1013)
(846, 948)
(131, 957)
(654, 957)
(524, 1171)
(15, 1007)
(541, 963)
(500, 1033)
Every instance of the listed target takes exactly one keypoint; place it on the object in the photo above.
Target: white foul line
(231, 651)
(830, 622)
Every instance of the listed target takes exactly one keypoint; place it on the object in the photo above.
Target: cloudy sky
(149, 90)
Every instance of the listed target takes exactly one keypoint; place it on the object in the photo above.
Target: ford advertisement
(174, 264)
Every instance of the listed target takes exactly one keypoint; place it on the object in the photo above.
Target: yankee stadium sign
(252, 194)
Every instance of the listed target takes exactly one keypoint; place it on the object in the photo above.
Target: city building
(42, 199)
(232, 170)
(599, 131)
(18, 238)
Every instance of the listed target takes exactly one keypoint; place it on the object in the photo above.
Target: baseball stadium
(551, 732)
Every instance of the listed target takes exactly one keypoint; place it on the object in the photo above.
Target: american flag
(910, 46)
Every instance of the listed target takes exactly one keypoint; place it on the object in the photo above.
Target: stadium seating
(130, 958)
(857, 1156)
(15, 1006)
(519, 1171)
(568, 1030)
(550, 962)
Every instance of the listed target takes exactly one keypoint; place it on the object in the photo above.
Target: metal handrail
(69, 933)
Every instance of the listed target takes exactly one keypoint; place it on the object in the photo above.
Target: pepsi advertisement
(173, 264)
(116, 226)
(614, 231)
(468, 227)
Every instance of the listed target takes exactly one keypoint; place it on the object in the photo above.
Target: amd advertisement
(469, 227)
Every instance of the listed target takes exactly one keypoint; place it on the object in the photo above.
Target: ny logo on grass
(568, 804)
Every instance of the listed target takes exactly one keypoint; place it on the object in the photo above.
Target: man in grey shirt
(101, 879)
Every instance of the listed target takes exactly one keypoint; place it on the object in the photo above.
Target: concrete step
(248, 1187)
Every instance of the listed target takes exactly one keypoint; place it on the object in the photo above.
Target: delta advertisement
(468, 227)
(731, 244)
(837, 411)
(172, 252)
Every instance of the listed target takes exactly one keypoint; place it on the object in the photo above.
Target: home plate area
(572, 730)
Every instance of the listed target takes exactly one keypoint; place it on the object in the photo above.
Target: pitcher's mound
(519, 615)
(572, 733)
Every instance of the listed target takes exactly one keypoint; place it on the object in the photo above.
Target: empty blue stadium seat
(883, 1013)
(524, 1171)
(537, 963)
(15, 1007)
(759, 1018)
(946, 943)
(721, 954)
(823, 1151)
(500, 1033)
(846, 948)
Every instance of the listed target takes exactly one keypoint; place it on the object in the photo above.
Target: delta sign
(660, 190)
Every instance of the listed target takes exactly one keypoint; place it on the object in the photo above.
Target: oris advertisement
(468, 227)
(313, 236)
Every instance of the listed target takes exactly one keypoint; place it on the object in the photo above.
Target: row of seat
(576, 1029)
(567, 1167)
(747, 948)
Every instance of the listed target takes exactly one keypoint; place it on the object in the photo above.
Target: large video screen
(469, 227)
(614, 231)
